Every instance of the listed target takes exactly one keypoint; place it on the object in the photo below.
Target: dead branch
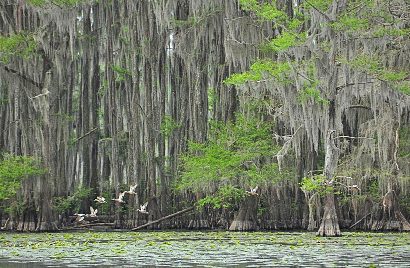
(86, 134)
(360, 220)
(163, 218)
(24, 77)
(318, 10)
(350, 137)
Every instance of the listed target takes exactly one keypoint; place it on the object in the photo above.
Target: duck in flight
(253, 191)
(143, 208)
(80, 217)
(93, 212)
(132, 190)
(120, 198)
(100, 200)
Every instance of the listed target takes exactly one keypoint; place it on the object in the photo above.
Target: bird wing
(95, 212)
(256, 188)
(121, 195)
(144, 206)
(92, 211)
(132, 188)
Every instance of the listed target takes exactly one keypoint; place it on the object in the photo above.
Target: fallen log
(163, 218)
(360, 220)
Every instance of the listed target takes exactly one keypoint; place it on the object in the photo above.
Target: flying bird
(132, 190)
(143, 208)
(120, 198)
(253, 191)
(93, 212)
(80, 217)
(100, 200)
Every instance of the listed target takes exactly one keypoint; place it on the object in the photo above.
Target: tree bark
(246, 219)
(330, 225)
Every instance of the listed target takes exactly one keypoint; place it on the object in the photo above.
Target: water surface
(203, 249)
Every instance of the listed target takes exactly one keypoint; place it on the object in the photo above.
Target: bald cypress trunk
(246, 217)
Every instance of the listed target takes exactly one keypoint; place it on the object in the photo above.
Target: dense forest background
(196, 102)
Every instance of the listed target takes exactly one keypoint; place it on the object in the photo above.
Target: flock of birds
(142, 209)
(120, 199)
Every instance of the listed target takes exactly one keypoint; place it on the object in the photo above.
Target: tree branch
(24, 77)
(318, 10)
(163, 218)
(350, 137)
(86, 134)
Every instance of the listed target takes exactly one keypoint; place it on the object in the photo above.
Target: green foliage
(311, 92)
(72, 202)
(13, 170)
(238, 153)
(373, 189)
(311, 87)
(21, 45)
(372, 64)
(15, 207)
(226, 197)
(393, 76)
(262, 68)
(365, 62)
(212, 99)
(322, 5)
(404, 202)
(121, 73)
(389, 31)
(403, 87)
(316, 184)
(351, 23)
(168, 125)
(40, 3)
(285, 41)
(404, 139)
(265, 11)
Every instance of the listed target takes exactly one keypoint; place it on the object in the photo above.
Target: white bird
(132, 190)
(143, 208)
(80, 217)
(354, 186)
(253, 191)
(100, 200)
(120, 198)
(93, 212)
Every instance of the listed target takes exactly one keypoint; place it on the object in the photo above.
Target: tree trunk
(246, 219)
(330, 224)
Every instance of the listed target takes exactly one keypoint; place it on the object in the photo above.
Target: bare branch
(86, 134)
(24, 77)
(318, 10)
(350, 137)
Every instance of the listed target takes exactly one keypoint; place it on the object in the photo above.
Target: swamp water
(203, 249)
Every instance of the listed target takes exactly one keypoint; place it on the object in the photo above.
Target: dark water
(203, 249)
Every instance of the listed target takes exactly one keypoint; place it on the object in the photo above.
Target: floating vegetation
(204, 248)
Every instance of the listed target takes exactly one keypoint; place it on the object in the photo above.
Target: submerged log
(163, 219)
